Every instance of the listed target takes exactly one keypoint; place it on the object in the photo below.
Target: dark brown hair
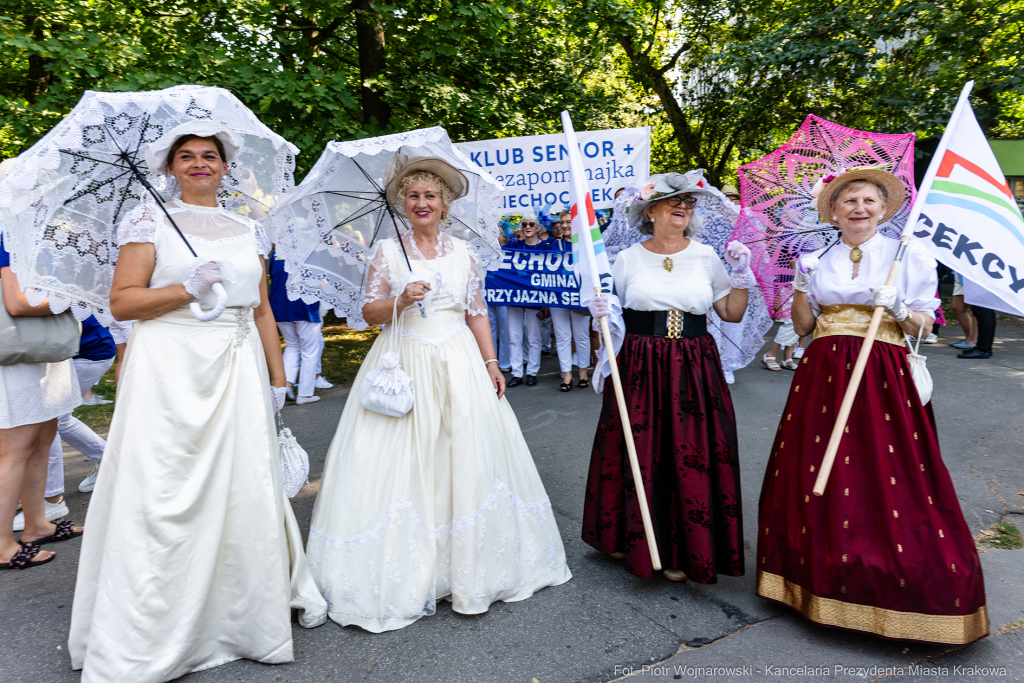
(180, 142)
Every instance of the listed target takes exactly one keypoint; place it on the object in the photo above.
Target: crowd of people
(191, 554)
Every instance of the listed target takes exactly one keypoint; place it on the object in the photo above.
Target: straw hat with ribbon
(827, 188)
(401, 166)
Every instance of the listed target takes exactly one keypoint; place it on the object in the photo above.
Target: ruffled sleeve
(263, 244)
(139, 225)
(919, 280)
(378, 276)
(475, 304)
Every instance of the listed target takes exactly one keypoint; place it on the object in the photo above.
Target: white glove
(277, 395)
(805, 267)
(737, 255)
(886, 297)
(201, 277)
(599, 307)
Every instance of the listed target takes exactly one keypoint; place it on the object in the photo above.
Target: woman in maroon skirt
(679, 404)
(886, 549)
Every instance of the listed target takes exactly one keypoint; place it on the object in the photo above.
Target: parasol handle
(851, 389)
(206, 316)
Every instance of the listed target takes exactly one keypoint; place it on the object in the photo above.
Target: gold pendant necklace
(667, 263)
(856, 255)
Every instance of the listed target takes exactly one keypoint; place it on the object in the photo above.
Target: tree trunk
(37, 81)
(372, 53)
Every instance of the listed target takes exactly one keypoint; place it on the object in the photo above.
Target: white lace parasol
(62, 200)
(324, 228)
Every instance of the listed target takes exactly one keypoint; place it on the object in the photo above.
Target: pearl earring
(835, 218)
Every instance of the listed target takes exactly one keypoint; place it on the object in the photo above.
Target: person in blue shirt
(520, 317)
(300, 325)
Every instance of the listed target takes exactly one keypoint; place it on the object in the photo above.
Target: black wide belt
(670, 324)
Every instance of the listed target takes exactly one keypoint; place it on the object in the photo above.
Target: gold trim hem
(853, 320)
(943, 629)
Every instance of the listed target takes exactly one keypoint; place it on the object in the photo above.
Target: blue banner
(533, 278)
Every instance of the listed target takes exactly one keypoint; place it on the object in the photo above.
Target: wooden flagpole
(855, 378)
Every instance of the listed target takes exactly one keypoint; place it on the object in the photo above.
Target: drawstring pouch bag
(387, 389)
(294, 461)
(919, 369)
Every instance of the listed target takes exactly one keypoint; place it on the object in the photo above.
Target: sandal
(65, 531)
(770, 363)
(583, 383)
(565, 386)
(23, 558)
(790, 364)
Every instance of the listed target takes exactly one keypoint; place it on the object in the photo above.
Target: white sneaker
(95, 400)
(302, 400)
(729, 377)
(798, 352)
(931, 339)
(54, 511)
(322, 383)
(89, 483)
(288, 393)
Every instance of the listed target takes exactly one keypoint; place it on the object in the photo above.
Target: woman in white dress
(445, 501)
(194, 558)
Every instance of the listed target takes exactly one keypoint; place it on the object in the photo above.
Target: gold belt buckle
(675, 324)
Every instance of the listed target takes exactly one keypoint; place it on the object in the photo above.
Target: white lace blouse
(833, 282)
(454, 274)
(697, 279)
(216, 235)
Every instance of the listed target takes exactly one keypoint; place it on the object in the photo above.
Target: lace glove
(737, 255)
(599, 307)
(201, 277)
(277, 398)
(805, 267)
(886, 297)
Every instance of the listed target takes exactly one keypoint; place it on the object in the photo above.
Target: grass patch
(1002, 535)
(344, 351)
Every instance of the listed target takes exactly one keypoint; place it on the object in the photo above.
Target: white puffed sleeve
(139, 225)
(918, 280)
(620, 274)
(475, 303)
(378, 276)
(721, 285)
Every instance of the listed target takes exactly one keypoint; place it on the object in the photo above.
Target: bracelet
(490, 360)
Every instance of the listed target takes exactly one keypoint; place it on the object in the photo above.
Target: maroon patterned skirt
(685, 431)
(886, 549)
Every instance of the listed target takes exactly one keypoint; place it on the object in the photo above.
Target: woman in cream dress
(444, 501)
(193, 557)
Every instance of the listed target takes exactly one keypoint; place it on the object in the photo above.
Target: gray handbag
(37, 339)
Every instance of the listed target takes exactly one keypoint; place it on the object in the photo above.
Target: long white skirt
(443, 502)
(191, 557)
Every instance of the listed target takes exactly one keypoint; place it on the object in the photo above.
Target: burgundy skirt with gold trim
(685, 431)
(886, 549)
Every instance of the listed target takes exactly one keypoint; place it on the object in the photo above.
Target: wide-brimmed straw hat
(662, 186)
(156, 155)
(730, 191)
(826, 188)
(400, 166)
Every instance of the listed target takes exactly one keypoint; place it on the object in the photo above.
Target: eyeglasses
(677, 200)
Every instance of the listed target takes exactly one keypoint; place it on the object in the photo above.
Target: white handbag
(919, 369)
(387, 389)
(294, 460)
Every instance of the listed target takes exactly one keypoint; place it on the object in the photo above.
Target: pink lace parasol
(778, 218)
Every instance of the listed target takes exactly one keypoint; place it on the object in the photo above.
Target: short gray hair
(692, 228)
(853, 185)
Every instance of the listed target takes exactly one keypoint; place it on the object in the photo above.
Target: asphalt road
(605, 624)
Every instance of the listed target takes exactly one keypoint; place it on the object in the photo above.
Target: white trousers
(304, 342)
(69, 428)
(518, 320)
(571, 325)
(498, 315)
(787, 336)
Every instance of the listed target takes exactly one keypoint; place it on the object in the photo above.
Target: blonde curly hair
(428, 178)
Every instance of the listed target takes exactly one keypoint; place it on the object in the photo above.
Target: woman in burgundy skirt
(886, 549)
(679, 404)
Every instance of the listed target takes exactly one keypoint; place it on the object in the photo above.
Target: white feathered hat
(156, 155)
